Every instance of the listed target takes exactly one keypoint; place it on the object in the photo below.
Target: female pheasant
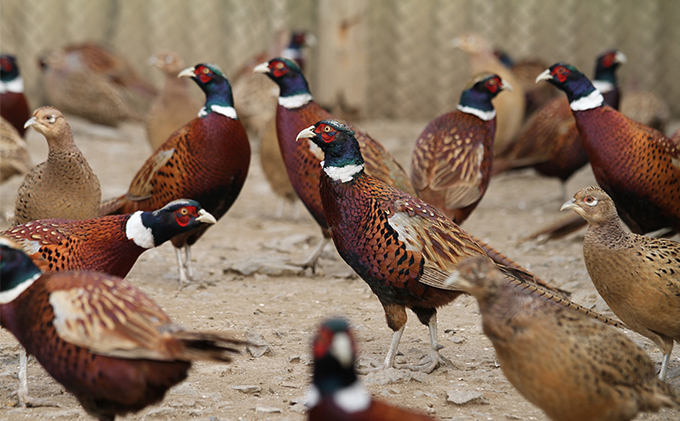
(206, 160)
(336, 392)
(401, 246)
(13, 104)
(635, 164)
(297, 110)
(99, 336)
(109, 244)
(451, 163)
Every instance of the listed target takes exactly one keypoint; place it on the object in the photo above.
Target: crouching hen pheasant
(452, 158)
(636, 165)
(205, 160)
(570, 366)
(401, 246)
(99, 336)
(636, 275)
(336, 392)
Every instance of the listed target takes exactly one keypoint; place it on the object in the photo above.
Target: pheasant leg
(22, 393)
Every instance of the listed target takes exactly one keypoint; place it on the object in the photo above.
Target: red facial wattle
(561, 74)
(279, 70)
(184, 215)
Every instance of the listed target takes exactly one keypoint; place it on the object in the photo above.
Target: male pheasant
(572, 367)
(635, 164)
(13, 103)
(401, 246)
(64, 186)
(109, 244)
(206, 160)
(297, 110)
(99, 336)
(336, 392)
(549, 141)
(451, 163)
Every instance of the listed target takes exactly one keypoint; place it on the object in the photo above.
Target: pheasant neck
(588, 102)
(15, 85)
(17, 274)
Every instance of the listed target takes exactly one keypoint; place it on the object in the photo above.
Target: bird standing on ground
(174, 106)
(549, 141)
(206, 160)
(636, 275)
(297, 110)
(570, 366)
(511, 105)
(635, 164)
(451, 163)
(13, 103)
(64, 186)
(99, 336)
(109, 244)
(336, 392)
(401, 246)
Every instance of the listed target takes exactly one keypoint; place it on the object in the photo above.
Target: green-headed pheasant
(205, 160)
(401, 246)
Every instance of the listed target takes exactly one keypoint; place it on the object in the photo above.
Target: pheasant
(115, 361)
(636, 275)
(336, 392)
(206, 160)
(71, 85)
(451, 163)
(64, 186)
(570, 366)
(401, 246)
(14, 158)
(635, 164)
(174, 106)
(13, 103)
(297, 110)
(549, 141)
(511, 105)
(109, 244)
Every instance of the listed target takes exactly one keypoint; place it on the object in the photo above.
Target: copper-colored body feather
(64, 186)
(572, 367)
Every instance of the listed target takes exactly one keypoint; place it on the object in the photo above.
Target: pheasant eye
(206, 70)
(327, 129)
(590, 201)
(279, 65)
(183, 211)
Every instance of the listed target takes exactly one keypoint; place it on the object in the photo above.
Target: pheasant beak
(188, 72)
(341, 349)
(262, 68)
(205, 217)
(569, 204)
(544, 76)
(456, 281)
(31, 122)
(506, 86)
(307, 133)
(620, 57)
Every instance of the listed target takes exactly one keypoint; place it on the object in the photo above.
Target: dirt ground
(248, 288)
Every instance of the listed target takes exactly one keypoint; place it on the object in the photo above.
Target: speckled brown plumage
(175, 104)
(401, 246)
(451, 163)
(109, 244)
(572, 367)
(645, 107)
(636, 165)
(62, 187)
(115, 361)
(14, 158)
(206, 160)
(636, 275)
(510, 105)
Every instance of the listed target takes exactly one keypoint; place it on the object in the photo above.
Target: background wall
(380, 58)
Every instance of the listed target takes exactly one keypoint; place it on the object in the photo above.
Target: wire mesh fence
(395, 55)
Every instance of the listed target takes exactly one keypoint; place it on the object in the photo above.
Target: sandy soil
(247, 288)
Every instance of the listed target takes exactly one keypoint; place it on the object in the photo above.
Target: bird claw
(373, 365)
(428, 363)
(27, 401)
